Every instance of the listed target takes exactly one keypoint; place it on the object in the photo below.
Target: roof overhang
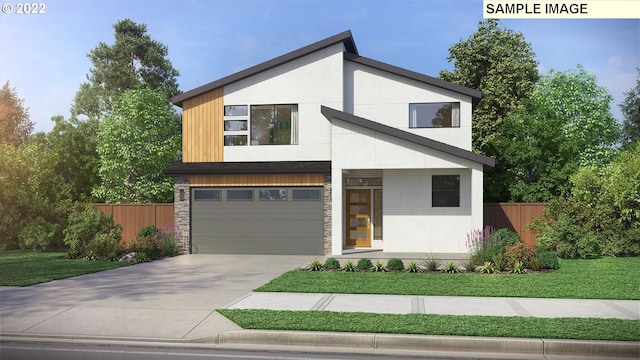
(246, 168)
(330, 114)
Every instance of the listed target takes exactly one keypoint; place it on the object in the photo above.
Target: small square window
(445, 191)
(273, 194)
(240, 194)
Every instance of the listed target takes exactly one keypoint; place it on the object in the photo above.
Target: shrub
(601, 213)
(432, 264)
(156, 243)
(39, 235)
(487, 268)
(451, 268)
(519, 252)
(519, 268)
(469, 264)
(316, 266)
(364, 264)
(331, 263)
(505, 236)
(479, 241)
(378, 267)
(349, 266)
(499, 262)
(106, 246)
(84, 225)
(547, 259)
(395, 264)
(148, 232)
(413, 267)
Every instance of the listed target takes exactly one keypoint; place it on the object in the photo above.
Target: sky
(44, 56)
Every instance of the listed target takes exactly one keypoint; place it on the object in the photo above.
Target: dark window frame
(445, 191)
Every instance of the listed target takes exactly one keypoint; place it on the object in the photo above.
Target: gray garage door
(257, 221)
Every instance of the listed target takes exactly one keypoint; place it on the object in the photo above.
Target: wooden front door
(358, 217)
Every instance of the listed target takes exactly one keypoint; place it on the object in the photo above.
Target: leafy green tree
(535, 161)
(15, 125)
(76, 160)
(33, 200)
(500, 63)
(583, 110)
(134, 61)
(565, 123)
(135, 144)
(631, 110)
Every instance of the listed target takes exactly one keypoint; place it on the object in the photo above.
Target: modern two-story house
(322, 150)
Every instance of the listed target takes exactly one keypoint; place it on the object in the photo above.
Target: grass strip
(427, 324)
(603, 278)
(23, 268)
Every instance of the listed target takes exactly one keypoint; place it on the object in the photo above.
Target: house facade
(321, 150)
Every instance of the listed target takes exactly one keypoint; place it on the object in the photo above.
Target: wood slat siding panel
(258, 180)
(203, 128)
(135, 217)
(515, 216)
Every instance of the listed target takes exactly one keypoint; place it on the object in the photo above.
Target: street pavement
(174, 300)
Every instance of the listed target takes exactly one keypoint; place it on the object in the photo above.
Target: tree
(583, 107)
(76, 159)
(631, 111)
(134, 61)
(33, 200)
(565, 123)
(15, 125)
(498, 62)
(135, 144)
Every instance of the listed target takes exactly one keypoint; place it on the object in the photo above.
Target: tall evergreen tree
(134, 61)
(498, 62)
(631, 111)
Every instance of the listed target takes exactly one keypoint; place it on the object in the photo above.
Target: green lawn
(23, 268)
(426, 324)
(603, 278)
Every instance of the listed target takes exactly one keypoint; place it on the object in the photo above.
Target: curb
(370, 343)
(418, 343)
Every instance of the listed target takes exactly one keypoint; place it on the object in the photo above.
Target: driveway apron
(173, 298)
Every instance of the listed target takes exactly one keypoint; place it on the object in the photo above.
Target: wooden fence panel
(515, 216)
(135, 217)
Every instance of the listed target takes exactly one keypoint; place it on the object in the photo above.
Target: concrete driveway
(172, 298)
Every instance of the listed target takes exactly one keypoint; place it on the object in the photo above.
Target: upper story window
(274, 124)
(260, 125)
(434, 115)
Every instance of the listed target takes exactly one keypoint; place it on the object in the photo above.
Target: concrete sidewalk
(449, 305)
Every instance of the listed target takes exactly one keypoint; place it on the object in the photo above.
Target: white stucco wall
(410, 223)
(385, 98)
(311, 81)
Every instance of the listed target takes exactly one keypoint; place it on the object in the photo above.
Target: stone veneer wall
(327, 214)
(181, 213)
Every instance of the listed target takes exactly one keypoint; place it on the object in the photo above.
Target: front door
(359, 217)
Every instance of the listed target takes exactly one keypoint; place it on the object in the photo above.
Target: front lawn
(427, 324)
(23, 268)
(603, 278)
